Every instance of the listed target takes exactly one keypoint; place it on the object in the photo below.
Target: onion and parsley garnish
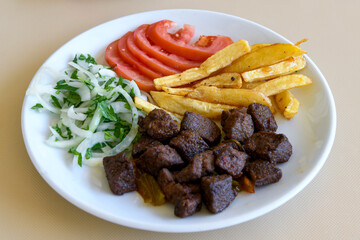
(95, 109)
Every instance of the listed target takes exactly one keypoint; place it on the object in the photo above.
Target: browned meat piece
(217, 192)
(237, 125)
(188, 205)
(231, 161)
(188, 144)
(262, 117)
(230, 143)
(206, 128)
(208, 162)
(159, 125)
(143, 144)
(176, 191)
(156, 158)
(120, 173)
(164, 177)
(269, 146)
(262, 172)
(191, 172)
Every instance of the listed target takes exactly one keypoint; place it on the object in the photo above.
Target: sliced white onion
(64, 143)
(104, 126)
(74, 115)
(107, 72)
(119, 107)
(70, 123)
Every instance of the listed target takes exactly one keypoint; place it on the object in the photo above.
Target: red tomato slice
(123, 69)
(158, 34)
(152, 63)
(126, 55)
(155, 51)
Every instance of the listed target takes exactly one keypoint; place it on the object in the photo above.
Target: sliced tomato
(123, 69)
(158, 34)
(127, 56)
(155, 51)
(183, 34)
(152, 63)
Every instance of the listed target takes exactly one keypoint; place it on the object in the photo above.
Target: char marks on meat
(205, 127)
(262, 117)
(231, 161)
(269, 146)
(262, 172)
(237, 125)
(159, 125)
(120, 173)
(188, 143)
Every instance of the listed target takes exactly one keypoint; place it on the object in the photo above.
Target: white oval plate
(311, 133)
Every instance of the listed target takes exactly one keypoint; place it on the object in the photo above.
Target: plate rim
(226, 223)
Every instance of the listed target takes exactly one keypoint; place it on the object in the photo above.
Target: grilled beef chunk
(229, 143)
(206, 128)
(120, 173)
(262, 172)
(187, 144)
(164, 177)
(217, 192)
(188, 205)
(237, 125)
(269, 146)
(208, 162)
(262, 117)
(158, 157)
(191, 172)
(231, 161)
(143, 144)
(159, 125)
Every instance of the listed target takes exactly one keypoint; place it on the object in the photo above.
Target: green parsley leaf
(88, 154)
(62, 86)
(74, 74)
(108, 112)
(37, 106)
(72, 97)
(55, 101)
(108, 136)
(109, 82)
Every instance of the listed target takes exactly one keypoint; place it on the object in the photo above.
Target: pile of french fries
(234, 77)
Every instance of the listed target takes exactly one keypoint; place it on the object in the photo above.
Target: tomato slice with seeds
(128, 57)
(152, 63)
(123, 69)
(155, 51)
(200, 51)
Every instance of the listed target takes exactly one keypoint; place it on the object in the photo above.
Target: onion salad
(95, 110)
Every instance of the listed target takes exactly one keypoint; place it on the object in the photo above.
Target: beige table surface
(328, 208)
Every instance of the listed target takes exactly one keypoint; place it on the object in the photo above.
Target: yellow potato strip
(147, 107)
(283, 83)
(264, 56)
(217, 61)
(282, 68)
(287, 104)
(224, 80)
(180, 104)
(177, 91)
(258, 45)
(230, 96)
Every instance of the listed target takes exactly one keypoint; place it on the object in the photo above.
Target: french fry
(264, 56)
(181, 104)
(277, 85)
(251, 85)
(224, 80)
(178, 91)
(287, 104)
(258, 45)
(282, 68)
(217, 61)
(148, 107)
(230, 96)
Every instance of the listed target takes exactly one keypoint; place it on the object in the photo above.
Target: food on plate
(291, 65)
(264, 56)
(199, 51)
(223, 80)
(144, 54)
(230, 96)
(277, 85)
(96, 115)
(180, 105)
(190, 166)
(217, 61)
(287, 103)
(178, 91)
